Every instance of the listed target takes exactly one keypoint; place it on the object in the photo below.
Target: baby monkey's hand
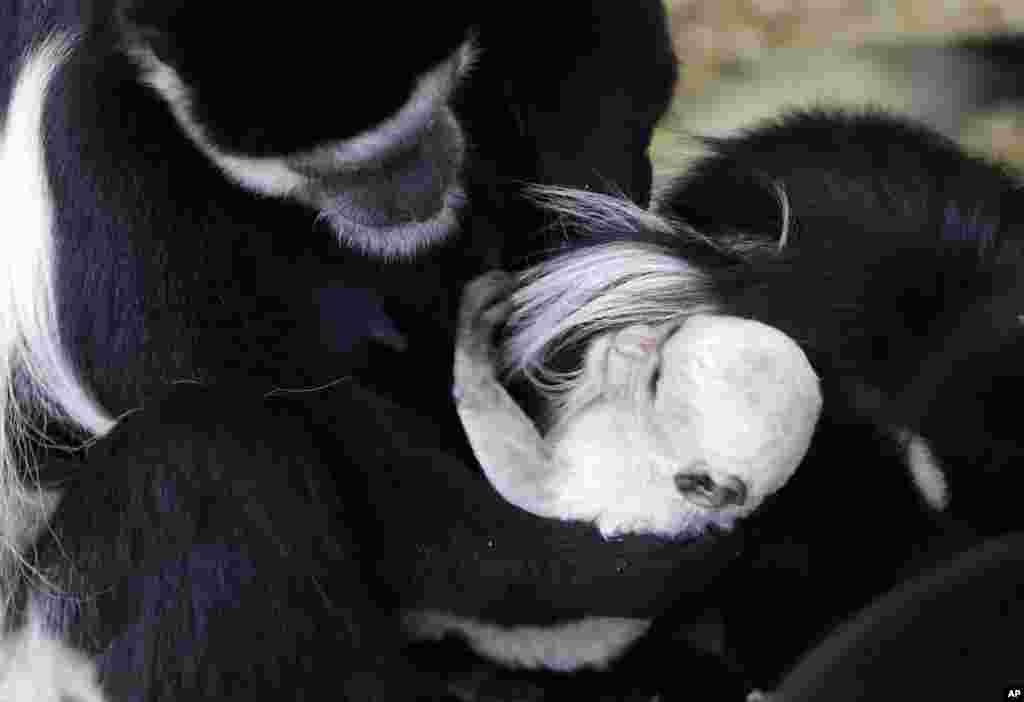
(483, 309)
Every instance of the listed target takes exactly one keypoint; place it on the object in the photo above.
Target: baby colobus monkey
(668, 429)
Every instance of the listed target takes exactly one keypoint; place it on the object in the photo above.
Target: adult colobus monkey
(891, 257)
(899, 273)
(204, 204)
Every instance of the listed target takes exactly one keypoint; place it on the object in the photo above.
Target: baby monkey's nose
(702, 489)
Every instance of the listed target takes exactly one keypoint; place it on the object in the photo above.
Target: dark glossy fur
(229, 537)
(894, 259)
(899, 275)
(212, 282)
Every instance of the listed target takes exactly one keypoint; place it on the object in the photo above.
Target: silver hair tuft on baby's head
(608, 285)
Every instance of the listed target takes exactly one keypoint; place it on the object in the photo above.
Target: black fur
(899, 275)
(228, 538)
(894, 259)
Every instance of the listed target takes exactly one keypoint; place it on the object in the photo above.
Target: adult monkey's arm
(442, 538)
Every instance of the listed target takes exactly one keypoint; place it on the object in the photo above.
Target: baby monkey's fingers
(484, 302)
(484, 307)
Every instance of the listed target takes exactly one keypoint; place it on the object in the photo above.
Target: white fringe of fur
(601, 288)
(590, 642)
(37, 380)
(34, 667)
(288, 177)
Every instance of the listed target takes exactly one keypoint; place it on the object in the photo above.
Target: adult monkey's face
(340, 107)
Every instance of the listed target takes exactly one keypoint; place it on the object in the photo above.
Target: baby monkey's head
(678, 416)
(671, 430)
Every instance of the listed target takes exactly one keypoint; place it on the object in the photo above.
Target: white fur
(401, 241)
(740, 403)
(591, 642)
(608, 475)
(603, 287)
(925, 470)
(787, 214)
(712, 396)
(736, 397)
(38, 381)
(595, 289)
(35, 667)
(267, 176)
(751, 393)
(587, 210)
(468, 56)
(294, 176)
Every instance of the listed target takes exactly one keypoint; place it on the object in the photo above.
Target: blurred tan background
(744, 60)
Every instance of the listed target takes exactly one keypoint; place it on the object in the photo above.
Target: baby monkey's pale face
(695, 425)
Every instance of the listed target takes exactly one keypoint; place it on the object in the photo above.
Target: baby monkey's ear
(637, 341)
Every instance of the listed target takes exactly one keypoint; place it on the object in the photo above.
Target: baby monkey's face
(715, 413)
